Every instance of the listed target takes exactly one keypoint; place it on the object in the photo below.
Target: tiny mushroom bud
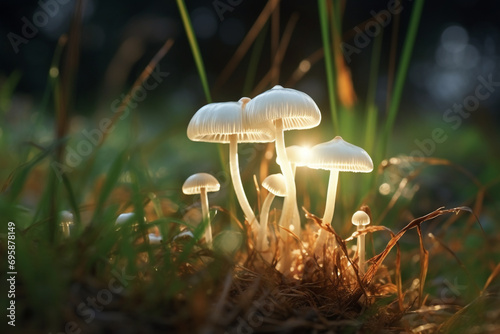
(287, 109)
(124, 217)
(276, 185)
(186, 234)
(202, 183)
(223, 123)
(154, 239)
(128, 217)
(361, 219)
(66, 219)
(336, 156)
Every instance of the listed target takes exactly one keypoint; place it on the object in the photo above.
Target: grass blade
(325, 36)
(371, 120)
(194, 48)
(401, 73)
(72, 199)
(111, 180)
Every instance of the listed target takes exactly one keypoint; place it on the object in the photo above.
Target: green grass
(194, 49)
(329, 61)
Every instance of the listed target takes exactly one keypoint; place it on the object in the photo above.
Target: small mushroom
(124, 217)
(276, 185)
(336, 156)
(186, 234)
(287, 109)
(155, 239)
(298, 157)
(202, 183)
(360, 219)
(66, 218)
(223, 123)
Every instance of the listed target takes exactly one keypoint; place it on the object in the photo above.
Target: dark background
(432, 83)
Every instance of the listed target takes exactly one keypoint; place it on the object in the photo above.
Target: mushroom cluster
(262, 119)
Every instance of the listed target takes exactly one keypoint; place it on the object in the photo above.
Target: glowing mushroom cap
(297, 109)
(360, 218)
(340, 155)
(276, 184)
(66, 217)
(216, 122)
(124, 217)
(184, 234)
(196, 182)
(297, 155)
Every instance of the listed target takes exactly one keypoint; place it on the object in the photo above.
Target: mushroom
(124, 217)
(66, 218)
(127, 217)
(297, 157)
(186, 234)
(154, 239)
(222, 123)
(287, 109)
(276, 185)
(336, 156)
(202, 183)
(361, 219)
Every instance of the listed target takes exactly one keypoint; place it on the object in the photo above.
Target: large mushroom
(336, 156)
(287, 109)
(202, 183)
(222, 123)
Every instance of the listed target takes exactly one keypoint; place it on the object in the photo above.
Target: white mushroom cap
(297, 109)
(124, 217)
(195, 182)
(340, 155)
(66, 216)
(216, 122)
(296, 154)
(184, 234)
(360, 218)
(154, 239)
(276, 184)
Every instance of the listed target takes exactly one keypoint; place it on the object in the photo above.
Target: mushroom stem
(65, 229)
(296, 218)
(330, 197)
(237, 185)
(288, 213)
(264, 216)
(206, 216)
(329, 210)
(361, 251)
(293, 166)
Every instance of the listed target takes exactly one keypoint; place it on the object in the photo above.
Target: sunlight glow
(305, 152)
